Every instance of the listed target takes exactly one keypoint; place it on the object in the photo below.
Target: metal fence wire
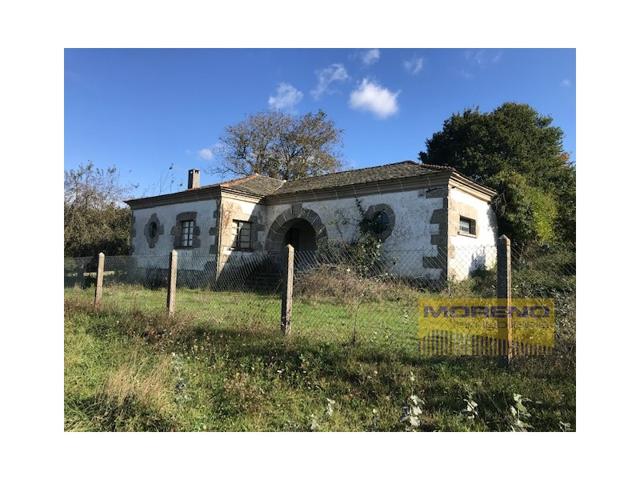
(77, 271)
(340, 294)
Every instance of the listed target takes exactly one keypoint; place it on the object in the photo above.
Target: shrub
(343, 284)
(549, 271)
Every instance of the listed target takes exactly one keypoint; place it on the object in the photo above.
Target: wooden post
(503, 286)
(171, 282)
(99, 275)
(287, 291)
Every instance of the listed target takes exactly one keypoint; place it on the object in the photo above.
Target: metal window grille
(187, 233)
(242, 235)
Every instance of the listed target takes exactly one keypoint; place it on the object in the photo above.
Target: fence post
(287, 291)
(503, 286)
(171, 282)
(99, 275)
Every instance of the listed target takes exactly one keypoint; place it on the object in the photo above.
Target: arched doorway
(296, 225)
(300, 234)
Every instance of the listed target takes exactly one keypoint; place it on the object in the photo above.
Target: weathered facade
(439, 222)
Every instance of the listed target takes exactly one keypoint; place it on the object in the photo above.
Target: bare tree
(281, 146)
(95, 219)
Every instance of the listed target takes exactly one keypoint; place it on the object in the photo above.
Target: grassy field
(220, 364)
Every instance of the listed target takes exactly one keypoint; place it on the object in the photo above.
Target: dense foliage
(95, 220)
(518, 152)
(280, 145)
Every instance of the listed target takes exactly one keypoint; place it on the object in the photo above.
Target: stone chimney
(194, 178)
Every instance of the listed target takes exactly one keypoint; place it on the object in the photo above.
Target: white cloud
(206, 153)
(286, 97)
(327, 76)
(370, 56)
(483, 57)
(565, 83)
(414, 66)
(369, 96)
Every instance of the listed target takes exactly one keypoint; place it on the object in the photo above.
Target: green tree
(95, 220)
(280, 145)
(518, 152)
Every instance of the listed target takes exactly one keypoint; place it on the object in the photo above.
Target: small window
(242, 235)
(153, 229)
(467, 226)
(187, 233)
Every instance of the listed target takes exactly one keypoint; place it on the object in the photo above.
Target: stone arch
(280, 226)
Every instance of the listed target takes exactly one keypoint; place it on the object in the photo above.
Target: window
(152, 230)
(187, 233)
(380, 222)
(242, 235)
(467, 226)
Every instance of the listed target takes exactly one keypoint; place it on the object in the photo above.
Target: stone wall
(233, 208)
(423, 239)
(413, 225)
(470, 252)
(149, 242)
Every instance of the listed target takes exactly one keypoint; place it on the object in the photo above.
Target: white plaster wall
(408, 243)
(238, 209)
(471, 253)
(410, 239)
(191, 258)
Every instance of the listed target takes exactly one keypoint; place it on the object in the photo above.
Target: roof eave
(481, 189)
(232, 191)
(193, 195)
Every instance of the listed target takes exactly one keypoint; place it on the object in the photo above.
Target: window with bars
(467, 226)
(187, 233)
(242, 235)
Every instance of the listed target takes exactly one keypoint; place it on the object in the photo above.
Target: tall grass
(129, 367)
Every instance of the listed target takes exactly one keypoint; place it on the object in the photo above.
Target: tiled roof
(254, 185)
(261, 186)
(361, 175)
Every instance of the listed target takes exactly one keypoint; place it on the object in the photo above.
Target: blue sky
(145, 111)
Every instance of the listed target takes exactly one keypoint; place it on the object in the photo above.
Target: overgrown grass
(221, 364)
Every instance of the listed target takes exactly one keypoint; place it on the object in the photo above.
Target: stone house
(435, 222)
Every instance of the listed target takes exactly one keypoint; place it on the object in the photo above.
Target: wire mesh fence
(77, 271)
(549, 272)
(359, 296)
(349, 295)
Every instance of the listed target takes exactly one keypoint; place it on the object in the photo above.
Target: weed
(134, 397)
(215, 368)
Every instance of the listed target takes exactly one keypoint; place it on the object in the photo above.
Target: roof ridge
(238, 180)
(354, 170)
(412, 162)
(438, 167)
